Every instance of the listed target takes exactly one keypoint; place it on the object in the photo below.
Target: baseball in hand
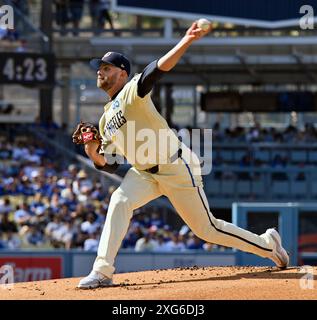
(204, 24)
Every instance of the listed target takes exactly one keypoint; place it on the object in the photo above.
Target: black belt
(155, 169)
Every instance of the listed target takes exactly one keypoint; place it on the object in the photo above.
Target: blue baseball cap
(114, 58)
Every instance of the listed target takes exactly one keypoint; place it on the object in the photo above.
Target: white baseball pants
(185, 191)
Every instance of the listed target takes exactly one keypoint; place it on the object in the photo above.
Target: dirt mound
(203, 283)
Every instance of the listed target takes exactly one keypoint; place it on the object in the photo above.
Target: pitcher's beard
(103, 84)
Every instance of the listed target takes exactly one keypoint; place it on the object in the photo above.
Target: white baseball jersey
(137, 130)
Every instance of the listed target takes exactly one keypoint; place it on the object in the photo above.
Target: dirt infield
(204, 283)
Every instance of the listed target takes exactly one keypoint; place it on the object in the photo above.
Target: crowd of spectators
(71, 11)
(239, 148)
(290, 134)
(9, 34)
(13, 36)
(151, 233)
(269, 152)
(44, 204)
(245, 136)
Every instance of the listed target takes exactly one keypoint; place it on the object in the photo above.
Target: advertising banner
(34, 268)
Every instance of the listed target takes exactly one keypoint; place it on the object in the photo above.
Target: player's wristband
(110, 168)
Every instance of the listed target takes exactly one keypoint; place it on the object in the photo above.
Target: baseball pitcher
(164, 168)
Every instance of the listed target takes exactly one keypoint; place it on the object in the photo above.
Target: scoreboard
(27, 69)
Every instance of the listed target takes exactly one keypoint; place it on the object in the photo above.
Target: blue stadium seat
(227, 155)
(298, 156)
(299, 189)
(238, 154)
(212, 187)
(280, 189)
(312, 156)
(262, 155)
(314, 188)
(258, 188)
(280, 152)
(228, 188)
(244, 188)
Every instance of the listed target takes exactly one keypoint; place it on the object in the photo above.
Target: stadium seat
(314, 188)
(238, 154)
(279, 152)
(244, 188)
(258, 188)
(312, 156)
(262, 155)
(280, 189)
(212, 187)
(298, 156)
(228, 188)
(299, 189)
(227, 155)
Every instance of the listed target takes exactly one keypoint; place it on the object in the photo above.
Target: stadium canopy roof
(269, 14)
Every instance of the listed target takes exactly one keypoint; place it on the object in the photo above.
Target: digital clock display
(27, 68)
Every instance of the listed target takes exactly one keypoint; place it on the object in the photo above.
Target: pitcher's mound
(180, 284)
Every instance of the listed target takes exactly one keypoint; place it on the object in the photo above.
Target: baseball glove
(85, 132)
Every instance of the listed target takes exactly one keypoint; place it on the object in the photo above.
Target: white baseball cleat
(94, 280)
(279, 254)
